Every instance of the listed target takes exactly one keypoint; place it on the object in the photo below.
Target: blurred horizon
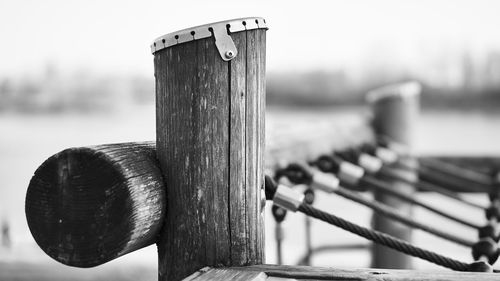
(94, 56)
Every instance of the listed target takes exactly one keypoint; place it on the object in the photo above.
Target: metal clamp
(350, 173)
(325, 182)
(220, 30)
(369, 163)
(386, 155)
(287, 198)
(399, 148)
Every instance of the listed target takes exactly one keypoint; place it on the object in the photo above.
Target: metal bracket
(287, 198)
(224, 43)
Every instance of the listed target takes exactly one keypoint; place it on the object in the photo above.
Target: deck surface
(281, 272)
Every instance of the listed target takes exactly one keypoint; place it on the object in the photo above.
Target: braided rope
(395, 215)
(384, 188)
(457, 171)
(450, 194)
(424, 185)
(385, 239)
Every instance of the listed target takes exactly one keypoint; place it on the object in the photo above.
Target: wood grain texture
(216, 274)
(86, 206)
(284, 272)
(209, 143)
(395, 116)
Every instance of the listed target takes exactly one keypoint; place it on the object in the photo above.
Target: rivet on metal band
(350, 173)
(325, 182)
(287, 198)
(220, 30)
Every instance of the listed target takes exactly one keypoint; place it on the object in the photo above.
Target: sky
(114, 36)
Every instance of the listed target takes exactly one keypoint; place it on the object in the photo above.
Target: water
(27, 140)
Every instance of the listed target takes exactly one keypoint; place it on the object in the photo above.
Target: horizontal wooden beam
(265, 272)
(86, 206)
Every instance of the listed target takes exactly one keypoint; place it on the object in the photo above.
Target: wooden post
(396, 109)
(210, 95)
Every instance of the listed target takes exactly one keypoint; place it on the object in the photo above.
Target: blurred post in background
(395, 115)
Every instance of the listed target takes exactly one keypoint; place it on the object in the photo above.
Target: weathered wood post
(396, 110)
(86, 206)
(210, 102)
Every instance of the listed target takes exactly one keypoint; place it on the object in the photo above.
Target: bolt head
(229, 54)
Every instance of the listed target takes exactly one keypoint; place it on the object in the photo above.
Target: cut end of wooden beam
(87, 206)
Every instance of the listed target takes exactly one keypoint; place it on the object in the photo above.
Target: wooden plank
(253, 147)
(283, 272)
(216, 274)
(261, 92)
(167, 82)
(208, 149)
(237, 146)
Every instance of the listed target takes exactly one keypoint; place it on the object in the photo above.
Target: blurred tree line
(451, 80)
(81, 91)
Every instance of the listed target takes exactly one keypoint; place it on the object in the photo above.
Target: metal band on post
(219, 30)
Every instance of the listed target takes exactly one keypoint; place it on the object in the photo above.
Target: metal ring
(204, 31)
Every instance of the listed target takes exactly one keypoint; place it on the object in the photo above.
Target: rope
(299, 174)
(393, 214)
(450, 194)
(384, 188)
(385, 239)
(457, 171)
(427, 186)
(450, 181)
(376, 236)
